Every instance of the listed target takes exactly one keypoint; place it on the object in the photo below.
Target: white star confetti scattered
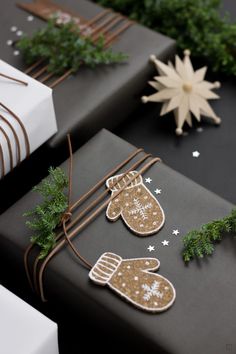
(157, 191)
(19, 33)
(13, 29)
(175, 232)
(9, 42)
(199, 129)
(148, 180)
(183, 90)
(30, 18)
(165, 243)
(16, 52)
(196, 154)
(151, 248)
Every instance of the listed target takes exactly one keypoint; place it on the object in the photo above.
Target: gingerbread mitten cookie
(138, 208)
(131, 279)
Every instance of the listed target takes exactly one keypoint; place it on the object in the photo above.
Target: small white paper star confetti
(151, 248)
(199, 129)
(183, 91)
(16, 52)
(157, 191)
(196, 154)
(175, 232)
(165, 243)
(30, 18)
(19, 33)
(9, 42)
(148, 180)
(13, 29)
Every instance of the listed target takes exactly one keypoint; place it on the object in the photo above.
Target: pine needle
(63, 48)
(200, 243)
(46, 216)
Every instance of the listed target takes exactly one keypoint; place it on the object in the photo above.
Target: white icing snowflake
(152, 290)
(140, 208)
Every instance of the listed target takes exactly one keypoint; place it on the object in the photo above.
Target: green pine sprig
(46, 216)
(194, 24)
(200, 243)
(63, 48)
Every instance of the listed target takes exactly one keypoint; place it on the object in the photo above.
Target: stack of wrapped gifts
(112, 235)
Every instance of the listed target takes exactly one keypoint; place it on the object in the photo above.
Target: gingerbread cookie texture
(139, 209)
(132, 280)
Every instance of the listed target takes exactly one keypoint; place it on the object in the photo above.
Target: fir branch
(46, 216)
(194, 24)
(200, 243)
(63, 48)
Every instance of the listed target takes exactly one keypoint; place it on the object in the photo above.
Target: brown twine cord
(9, 147)
(2, 162)
(14, 79)
(81, 226)
(97, 17)
(13, 131)
(16, 138)
(108, 23)
(26, 138)
(103, 194)
(83, 198)
(84, 212)
(66, 217)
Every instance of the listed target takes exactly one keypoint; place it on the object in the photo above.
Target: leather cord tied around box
(64, 237)
(106, 23)
(14, 132)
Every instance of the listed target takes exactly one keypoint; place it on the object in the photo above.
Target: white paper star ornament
(183, 91)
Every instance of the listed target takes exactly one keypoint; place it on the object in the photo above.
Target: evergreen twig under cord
(46, 216)
(63, 48)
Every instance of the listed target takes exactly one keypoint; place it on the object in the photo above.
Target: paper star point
(183, 91)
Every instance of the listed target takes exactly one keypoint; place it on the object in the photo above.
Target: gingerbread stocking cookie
(136, 205)
(132, 280)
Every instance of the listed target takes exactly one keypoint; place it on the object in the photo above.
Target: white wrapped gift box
(33, 106)
(24, 330)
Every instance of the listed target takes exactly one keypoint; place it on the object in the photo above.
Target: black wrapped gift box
(202, 319)
(92, 99)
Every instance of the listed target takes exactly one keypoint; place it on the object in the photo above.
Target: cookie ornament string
(130, 278)
(82, 213)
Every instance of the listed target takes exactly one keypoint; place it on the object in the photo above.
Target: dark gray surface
(202, 320)
(98, 98)
(215, 168)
